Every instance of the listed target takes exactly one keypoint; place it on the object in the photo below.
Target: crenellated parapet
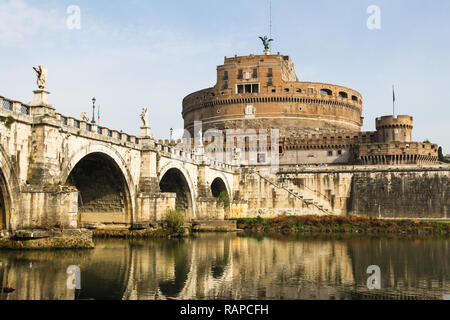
(397, 153)
(327, 141)
(392, 128)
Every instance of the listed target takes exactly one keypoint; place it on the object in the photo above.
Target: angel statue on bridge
(85, 117)
(41, 73)
(144, 117)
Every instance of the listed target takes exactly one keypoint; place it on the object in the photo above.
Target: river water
(228, 266)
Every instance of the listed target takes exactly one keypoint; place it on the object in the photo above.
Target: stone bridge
(59, 170)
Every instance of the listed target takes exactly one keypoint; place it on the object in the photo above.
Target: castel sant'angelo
(318, 123)
(310, 157)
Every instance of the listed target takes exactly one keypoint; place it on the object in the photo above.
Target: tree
(441, 156)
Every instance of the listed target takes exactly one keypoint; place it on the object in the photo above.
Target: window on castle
(255, 73)
(343, 95)
(270, 82)
(311, 90)
(330, 153)
(240, 74)
(354, 98)
(248, 88)
(270, 73)
(340, 152)
(225, 75)
(24, 109)
(326, 92)
(7, 105)
(286, 90)
(225, 84)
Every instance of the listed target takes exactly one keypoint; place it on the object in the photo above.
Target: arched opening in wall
(103, 197)
(174, 181)
(220, 192)
(326, 92)
(4, 203)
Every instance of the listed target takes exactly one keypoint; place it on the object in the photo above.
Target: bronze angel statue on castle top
(266, 42)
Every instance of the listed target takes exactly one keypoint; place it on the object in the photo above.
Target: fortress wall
(402, 194)
(377, 191)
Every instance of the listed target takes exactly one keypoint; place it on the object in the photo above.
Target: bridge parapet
(190, 156)
(24, 112)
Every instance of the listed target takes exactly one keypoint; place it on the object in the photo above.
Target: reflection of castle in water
(229, 267)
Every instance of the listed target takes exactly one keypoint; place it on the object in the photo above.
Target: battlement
(397, 153)
(328, 141)
(392, 122)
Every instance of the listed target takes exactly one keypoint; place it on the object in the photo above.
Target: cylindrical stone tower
(391, 129)
(263, 92)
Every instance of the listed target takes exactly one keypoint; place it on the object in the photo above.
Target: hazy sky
(140, 53)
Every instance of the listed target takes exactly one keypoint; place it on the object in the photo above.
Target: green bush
(224, 199)
(175, 221)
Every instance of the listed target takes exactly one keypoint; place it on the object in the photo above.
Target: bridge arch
(218, 187)
(8, 187)
(220, 183)
(107, 190)
(175, 179)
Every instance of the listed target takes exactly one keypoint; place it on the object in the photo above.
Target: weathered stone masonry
(377, 191)
(61, 171)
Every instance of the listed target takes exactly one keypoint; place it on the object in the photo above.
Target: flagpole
(393, 101)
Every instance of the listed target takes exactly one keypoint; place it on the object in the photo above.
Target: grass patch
(341, 224)
(47, 244)
(130, 234)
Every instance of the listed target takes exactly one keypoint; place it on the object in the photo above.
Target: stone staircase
(319, 204)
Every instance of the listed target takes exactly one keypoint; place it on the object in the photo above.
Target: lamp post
(296, 148)
(171, 134)
(93, 110)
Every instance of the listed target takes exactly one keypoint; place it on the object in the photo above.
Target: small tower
(391, 129)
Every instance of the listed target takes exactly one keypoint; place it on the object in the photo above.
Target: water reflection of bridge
(218, 267)
(230, 267)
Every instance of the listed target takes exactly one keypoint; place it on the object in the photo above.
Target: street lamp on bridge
(93, 110)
